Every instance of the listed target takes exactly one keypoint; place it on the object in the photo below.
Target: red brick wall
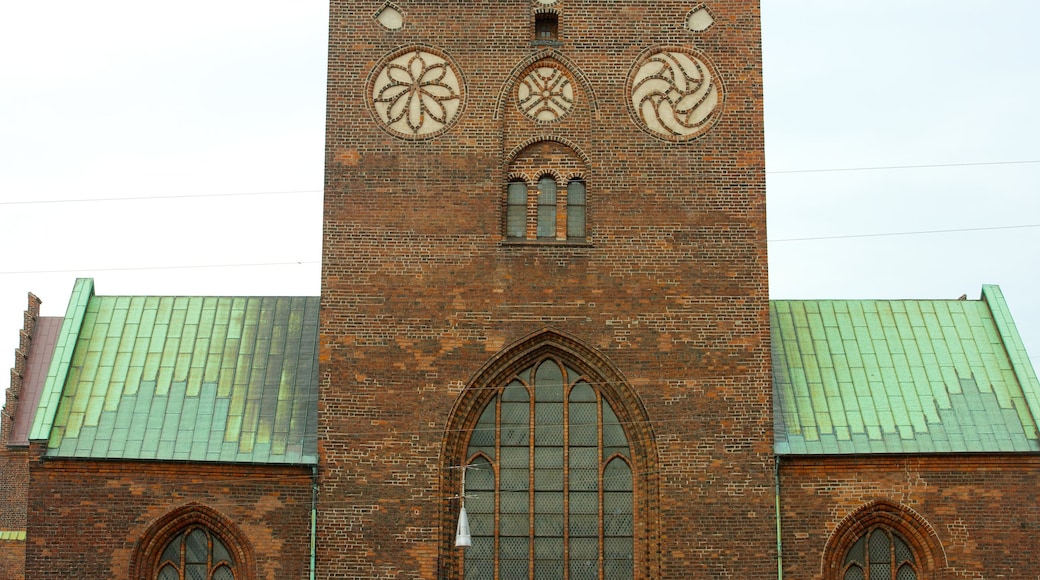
(420, 291)
(86, 516)
(982, 510)
(12, 559)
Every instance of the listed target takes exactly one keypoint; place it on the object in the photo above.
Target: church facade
(544, 304)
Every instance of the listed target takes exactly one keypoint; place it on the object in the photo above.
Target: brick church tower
(545, 274)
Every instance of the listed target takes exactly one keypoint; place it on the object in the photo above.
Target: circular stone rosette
(545, 93)
(676, 93)
(416, 92)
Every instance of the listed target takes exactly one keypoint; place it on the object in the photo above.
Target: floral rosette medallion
(417, 93)
(676, 93)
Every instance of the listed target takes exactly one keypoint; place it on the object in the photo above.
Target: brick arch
(512, 155)
(614, 387)
(899, 518)
(149, 548)
(548, 54)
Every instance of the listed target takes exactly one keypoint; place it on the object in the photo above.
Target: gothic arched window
(549, 481)
(195, 554)
(879, 554)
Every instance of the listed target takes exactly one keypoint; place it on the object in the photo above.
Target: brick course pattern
(977, 515)
(420, 289)
(122, 500)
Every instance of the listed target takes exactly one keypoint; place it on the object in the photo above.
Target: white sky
(117, 99)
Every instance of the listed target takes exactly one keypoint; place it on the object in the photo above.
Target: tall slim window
(549, 484)
(516, 210)
(576, 209)
(880, 554)
(195, 554)
(547, 207)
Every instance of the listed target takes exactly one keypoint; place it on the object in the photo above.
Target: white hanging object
(462, 537)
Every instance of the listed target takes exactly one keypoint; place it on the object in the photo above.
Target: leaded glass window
(516, 210)
(880, 554)
(549, 484)
(547, 207)
(195, 554)
(576, 209)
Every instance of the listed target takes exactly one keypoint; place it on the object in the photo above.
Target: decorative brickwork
(262, 510)
(964, 516)
(421, 289)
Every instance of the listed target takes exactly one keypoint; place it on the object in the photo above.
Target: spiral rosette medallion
(545, 94)
(416, 93)
(676, 93)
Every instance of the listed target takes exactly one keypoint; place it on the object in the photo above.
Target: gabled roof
(226, 379)
(901, 376)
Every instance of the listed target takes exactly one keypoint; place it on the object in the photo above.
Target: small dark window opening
(546, 26)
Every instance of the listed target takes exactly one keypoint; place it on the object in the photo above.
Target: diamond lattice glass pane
(196, 547)
(584, 479)
(549, 525)
(515, 457)
(515, 413)
(584, 502)
(514, 525)
(480, 476)
(584, 458)
(548, 548)
(581, 392)
(584, 569)
(172, 553)
(576, 209)
(548, 424)
(515, 480)
(617, 549)
(617, 502)
(856, 552)
(548, 479)
(548, 569)
(220, 553)
(512, 569)
(548, 502)
(195, 572)
(879, 549)
(617, 569)
(617, 476)
(548, 382)
(903, 552)
(906, 573)
(168, 573)
(616, 436)
(548, 457)
(483, 548)
(881, 571)
(546, 189)
(517, 210)
(854, 573)
(482, 438)
(584, 427)
(480, 523)
(223, 573)
(479, 568)
(583, 549)
(513, 548)
(514, 502)
(584, 525)
(515, 392)
(617, 525)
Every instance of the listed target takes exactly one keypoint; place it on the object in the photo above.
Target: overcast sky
(901, 146)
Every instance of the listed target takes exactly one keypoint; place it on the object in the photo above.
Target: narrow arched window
(879, 554)
(516, 210)
(547, 207)
(195, 554)
(549, 481)
(576, 209)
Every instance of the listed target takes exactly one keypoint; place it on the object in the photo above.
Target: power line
(914, 233)
(155, 197)
(889, 167)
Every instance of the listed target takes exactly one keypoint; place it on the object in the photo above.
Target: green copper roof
(901, 376)
(229, 379)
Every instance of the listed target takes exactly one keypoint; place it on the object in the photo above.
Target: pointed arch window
(880, 554)
(196, 554)
(549, 484)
